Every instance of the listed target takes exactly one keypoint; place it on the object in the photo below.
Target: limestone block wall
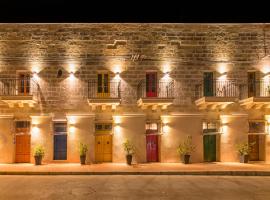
(179, 127)
(133, 129)
(235, 129)
(42, 134)
(7, 145)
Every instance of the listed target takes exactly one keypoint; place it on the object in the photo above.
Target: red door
(152, 148)
(151, 84)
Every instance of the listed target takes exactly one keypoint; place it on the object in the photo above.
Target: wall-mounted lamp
(165, 128)
(71, 75)
(222, 128)
(268, 127)
(71, 129)
(35, 75)
(117, 75)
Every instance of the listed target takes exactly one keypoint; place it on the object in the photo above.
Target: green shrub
(186, 148)
(83, 148)
(39, 150)
(128, 147)
(244, 147)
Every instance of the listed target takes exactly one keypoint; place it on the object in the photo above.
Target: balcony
(19, 92)
(104, 95)
(256, 95)
(159, 95)
(216, 95)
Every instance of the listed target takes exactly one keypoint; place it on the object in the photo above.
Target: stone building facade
(153, 84)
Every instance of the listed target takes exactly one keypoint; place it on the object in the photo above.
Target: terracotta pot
(38, 160)
(82, 159)
(129, 159)
(185, 159)
(244, 158)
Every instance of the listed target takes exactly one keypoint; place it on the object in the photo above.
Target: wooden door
(107, 148)
(23, 145)
(103, 85)
(254, 150)
(103, 148)
(152, 148)
(24, 84)
(251, 84)
(151, 84)
(208, 84)
(60, 147)
(209, 143)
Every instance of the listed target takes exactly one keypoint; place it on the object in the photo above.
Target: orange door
(22, 148)
(107, 148)
(103, 148)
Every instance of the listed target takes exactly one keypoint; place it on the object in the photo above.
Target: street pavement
(140, 187)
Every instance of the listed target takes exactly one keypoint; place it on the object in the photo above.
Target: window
(151, 127)
(210, 127)
(103, 86)
(151, 84)
(60, 128)
(103, 127)
(24, 83)
(257, 127)
(22, 126)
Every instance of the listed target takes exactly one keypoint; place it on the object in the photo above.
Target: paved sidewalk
(261, 169)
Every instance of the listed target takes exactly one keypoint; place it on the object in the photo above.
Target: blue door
(60, 147)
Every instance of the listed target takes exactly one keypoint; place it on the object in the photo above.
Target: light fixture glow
(71, 76)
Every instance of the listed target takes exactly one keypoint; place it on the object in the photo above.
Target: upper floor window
(151, 84)
(23, 83)
(103, 84)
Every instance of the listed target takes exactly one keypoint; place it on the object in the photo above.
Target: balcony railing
(163, 89)
(258, 88)
(218, 88)
(18, 87)
(112, 90)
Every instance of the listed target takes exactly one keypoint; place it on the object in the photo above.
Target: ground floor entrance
(152, 148)
(60, 147)
(209, 147)
(257, 147)
(103, 148)
(23, 148)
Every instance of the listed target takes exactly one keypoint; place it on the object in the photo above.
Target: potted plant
(244, 150)
(39, 154)
(129, 149)
(185, 149)
(83, 150)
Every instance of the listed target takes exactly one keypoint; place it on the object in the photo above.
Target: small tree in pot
(83, 150)
(39, 154)
(130, 150)
(185, 149)
(244, 150)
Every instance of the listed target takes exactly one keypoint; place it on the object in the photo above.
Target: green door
(209, 143)
(208, 84)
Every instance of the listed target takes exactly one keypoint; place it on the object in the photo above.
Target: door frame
(158, 138)
(22, 134)
(26, 80)
(101, 135)
(205, 158)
